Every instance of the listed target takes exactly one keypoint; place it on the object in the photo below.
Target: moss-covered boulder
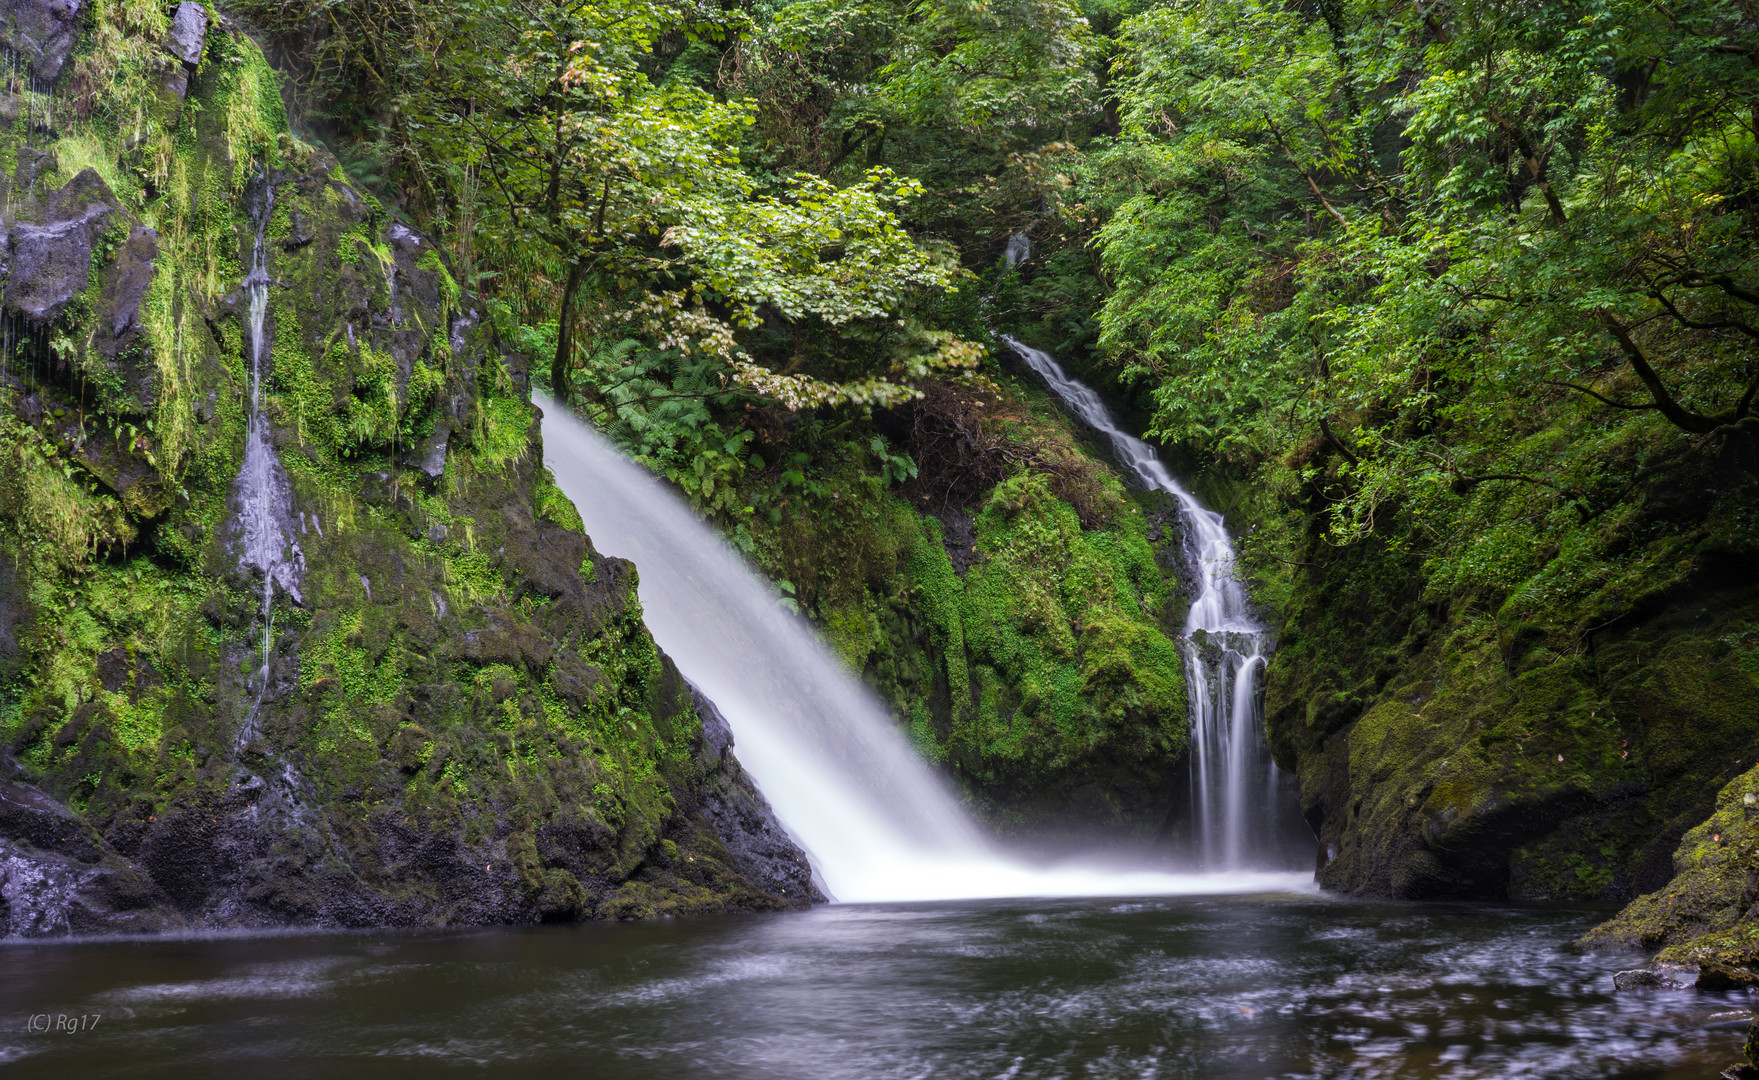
(434, 702)
(1706, 914)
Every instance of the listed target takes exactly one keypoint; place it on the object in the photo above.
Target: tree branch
(1598, 397)
(1680, 416)
(1535, 165)
(1305, 175)
(1325, 427)
(1725, 324)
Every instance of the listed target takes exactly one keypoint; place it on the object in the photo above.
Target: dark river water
(1211, 987)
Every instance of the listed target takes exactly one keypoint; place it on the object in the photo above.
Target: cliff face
(447, 709)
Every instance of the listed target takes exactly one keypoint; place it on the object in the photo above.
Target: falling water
(877, 822)
(262, 495)
(1238, 803)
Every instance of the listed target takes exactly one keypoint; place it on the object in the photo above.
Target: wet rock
(119, 464)
(134, 272)
(13, 619)
(118, 672)
(547, 559)
(48, 895)
(174, 85)
(51, 263)
(429, 455)
(576, 681)
(1715, 975)
(30, 165)
(43, 32)
(1637, 978)
(717, 734)
(189, 33)
(759, 848)
(58, 877)
(1732, 1020)
(184, 44)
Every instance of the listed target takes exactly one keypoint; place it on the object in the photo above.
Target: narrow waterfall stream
(1237, 796)
(262, 495)
(878, 823)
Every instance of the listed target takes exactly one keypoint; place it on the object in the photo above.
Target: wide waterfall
(877, 821)
(1239, 809)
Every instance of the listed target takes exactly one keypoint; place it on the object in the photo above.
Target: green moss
(503, 433)
(552, 505)
(1700, 915)
(417, 684)
(1044, 678)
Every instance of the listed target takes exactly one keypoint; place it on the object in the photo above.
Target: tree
(581, 155)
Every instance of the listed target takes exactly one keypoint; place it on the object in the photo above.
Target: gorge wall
(1564, 739)
(449, 710)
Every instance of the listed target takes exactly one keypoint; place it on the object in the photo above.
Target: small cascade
(877, 822)
(1240, 807)
(262, 496)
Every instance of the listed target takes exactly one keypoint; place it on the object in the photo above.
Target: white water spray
(877, 822)
(1234, 784)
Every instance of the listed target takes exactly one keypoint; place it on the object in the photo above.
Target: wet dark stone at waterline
(758, 845)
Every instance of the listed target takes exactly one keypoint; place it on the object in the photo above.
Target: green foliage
(1481, 273)
(894, 468)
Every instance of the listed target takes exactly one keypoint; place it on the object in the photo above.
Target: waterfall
(1239, 807)
(877, 822)
(262, 495)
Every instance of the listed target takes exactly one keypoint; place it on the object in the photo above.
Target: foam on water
(876, 821)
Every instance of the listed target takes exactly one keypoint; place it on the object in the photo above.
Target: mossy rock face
(460, 717)
(1034, 659)
(1444, 751)
(1706, 914)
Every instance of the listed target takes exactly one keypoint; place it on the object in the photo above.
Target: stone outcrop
(189, 34)
(41, 32)
(758, 846)
(58, 876)
(1456, 745)
(49, 247)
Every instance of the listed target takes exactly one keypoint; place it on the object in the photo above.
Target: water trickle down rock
(262, 496)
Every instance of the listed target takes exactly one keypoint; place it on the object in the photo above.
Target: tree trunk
(560, 381)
